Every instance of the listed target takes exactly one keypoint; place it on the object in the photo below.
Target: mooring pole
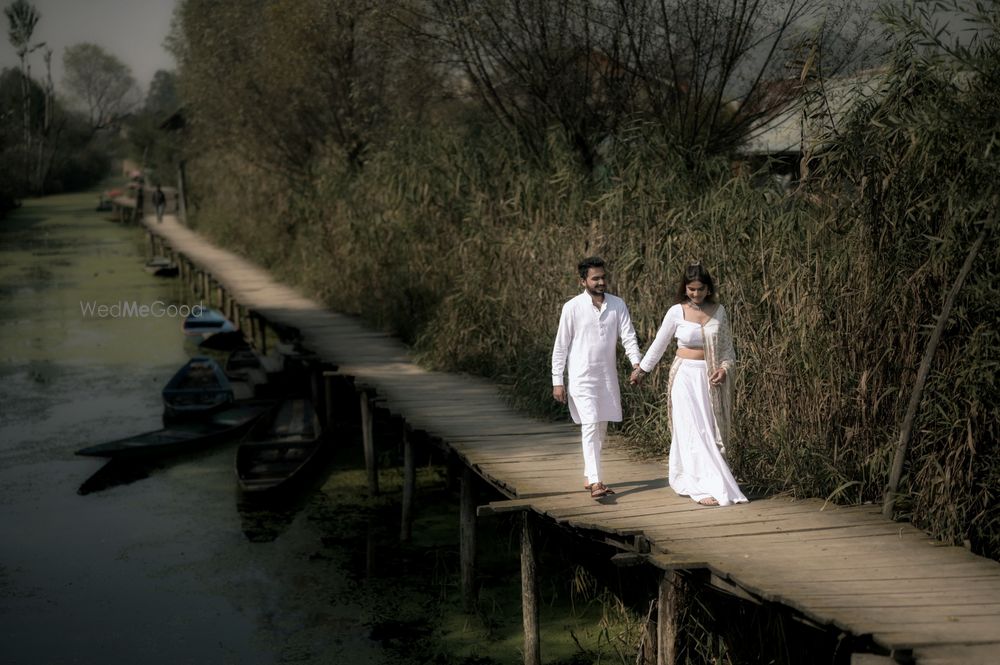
(467, 536)
(409, 486)
(369, 443)
(529, 593)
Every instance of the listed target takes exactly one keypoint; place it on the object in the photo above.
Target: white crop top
(689, 335)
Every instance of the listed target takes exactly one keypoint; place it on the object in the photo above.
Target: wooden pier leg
(369, 443)
(151, 242)
(529, 593)
(669, 605)
(467, 536)
(252, 325)
(409, 485)
(222, 297)
(262, 328)
(328, 376)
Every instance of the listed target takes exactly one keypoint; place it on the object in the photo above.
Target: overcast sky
(132, 30)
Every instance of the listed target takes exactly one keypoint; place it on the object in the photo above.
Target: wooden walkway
(847, 567)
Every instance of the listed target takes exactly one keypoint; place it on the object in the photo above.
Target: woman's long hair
(695, 272)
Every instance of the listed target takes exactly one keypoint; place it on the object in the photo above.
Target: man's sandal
(597, 490)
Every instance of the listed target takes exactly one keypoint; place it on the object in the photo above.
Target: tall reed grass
(467, 250)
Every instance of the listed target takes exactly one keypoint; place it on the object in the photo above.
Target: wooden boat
(197, 390)
(210, 329)
(183, 437)
(160, 266)
(246, 365)
(224, 341)
(278, 450)
(207, 321)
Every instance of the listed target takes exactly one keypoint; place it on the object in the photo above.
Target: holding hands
(718, 376)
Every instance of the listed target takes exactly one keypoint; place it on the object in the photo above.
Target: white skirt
(697, 467)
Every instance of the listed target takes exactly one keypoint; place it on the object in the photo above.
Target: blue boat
(197, 390)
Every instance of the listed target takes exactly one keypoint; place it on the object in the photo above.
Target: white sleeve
(626, 331)
(664, 336)
(560, 349)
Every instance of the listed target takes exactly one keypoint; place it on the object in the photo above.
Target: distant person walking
(586, 343)
(700, 390)
(160, 203)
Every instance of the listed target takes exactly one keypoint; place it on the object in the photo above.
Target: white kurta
(585, 347)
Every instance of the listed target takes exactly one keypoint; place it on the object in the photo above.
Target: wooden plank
(958, 654)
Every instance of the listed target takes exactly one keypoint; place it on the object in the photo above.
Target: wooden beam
(467, 538)
(872, 659)
(368, 440)
(409, 487)
(529, 594)
(500, 507)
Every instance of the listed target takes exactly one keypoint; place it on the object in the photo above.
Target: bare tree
(702, 73)
(102, 83)
(539, 64)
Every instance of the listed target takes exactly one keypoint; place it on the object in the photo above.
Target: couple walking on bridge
(700, 385)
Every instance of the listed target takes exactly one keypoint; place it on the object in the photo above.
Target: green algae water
(168, 565)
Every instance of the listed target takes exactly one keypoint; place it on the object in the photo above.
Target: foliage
(149, 144)
(464, 242)
(48, 150)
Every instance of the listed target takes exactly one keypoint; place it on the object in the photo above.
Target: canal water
(165, 564)
(166, 568)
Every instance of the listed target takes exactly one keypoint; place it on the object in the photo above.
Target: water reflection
(115, 473)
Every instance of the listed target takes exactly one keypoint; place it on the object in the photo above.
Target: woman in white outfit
(700, 390)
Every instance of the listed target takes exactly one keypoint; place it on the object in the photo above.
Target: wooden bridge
(902, 596)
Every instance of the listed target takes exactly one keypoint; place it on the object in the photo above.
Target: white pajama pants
(593, 435)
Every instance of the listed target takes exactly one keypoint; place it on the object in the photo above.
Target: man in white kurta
(585, 347)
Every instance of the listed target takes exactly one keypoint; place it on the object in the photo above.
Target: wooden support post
(451, 470)
(151, 243)
(369, 443)
(409, 485)
(467, 536)
(252, 325)
(529, 593)
(262, 328)
(316, 391)
(328, 376)
(669, 605)
(222, 297)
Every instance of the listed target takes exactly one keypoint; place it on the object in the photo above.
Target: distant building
(804, 121)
